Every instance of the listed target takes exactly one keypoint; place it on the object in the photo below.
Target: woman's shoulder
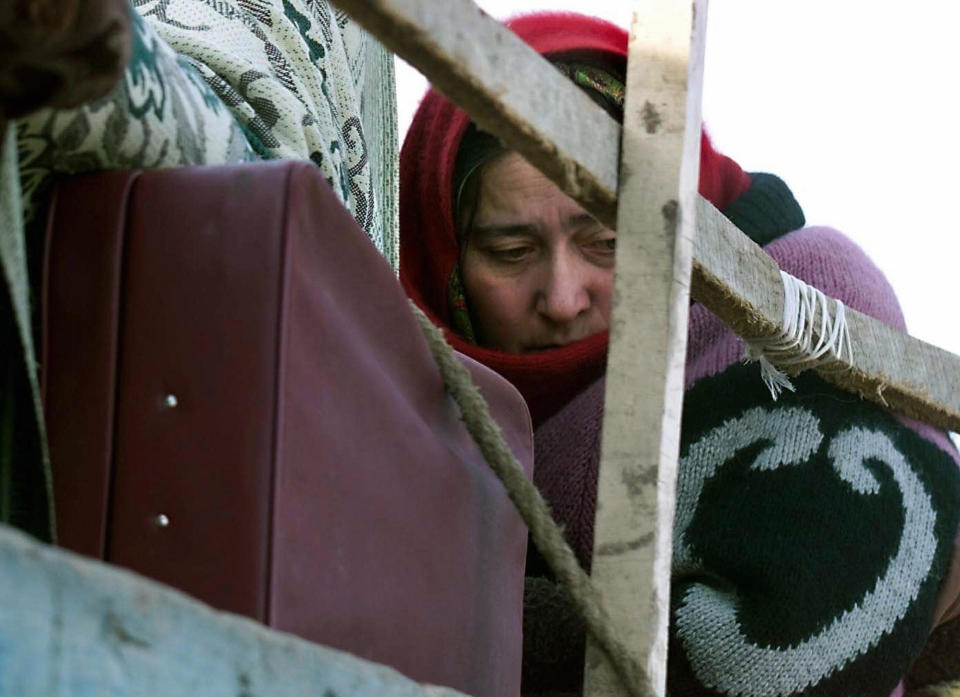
(837, 266)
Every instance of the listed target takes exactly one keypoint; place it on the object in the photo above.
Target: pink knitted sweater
(812, 533)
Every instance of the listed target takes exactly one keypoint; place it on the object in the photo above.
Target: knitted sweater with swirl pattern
(812, 533)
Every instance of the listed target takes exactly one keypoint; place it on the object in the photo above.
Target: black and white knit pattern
(810, 537)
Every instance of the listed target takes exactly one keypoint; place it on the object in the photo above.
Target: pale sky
(853, 104)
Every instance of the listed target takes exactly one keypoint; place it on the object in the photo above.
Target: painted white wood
(73, 627)
(648, 337)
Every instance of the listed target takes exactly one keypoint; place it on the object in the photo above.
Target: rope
(803, 308)
(546, 533)
(951, 688)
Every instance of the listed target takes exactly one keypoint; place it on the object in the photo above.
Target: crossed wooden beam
(671, 244)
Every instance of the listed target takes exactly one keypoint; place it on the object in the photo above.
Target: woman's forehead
(510, 186)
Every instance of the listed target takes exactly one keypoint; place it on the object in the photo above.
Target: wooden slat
(535, 110)
(75, 627)
(648, 340)
(507, 88)
(740, 284)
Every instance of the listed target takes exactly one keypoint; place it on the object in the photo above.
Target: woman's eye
(511, 253)
(604, 246)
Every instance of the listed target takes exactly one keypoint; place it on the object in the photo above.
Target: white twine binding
(806, 318)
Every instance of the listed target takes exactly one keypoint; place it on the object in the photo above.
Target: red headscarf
(429, 250)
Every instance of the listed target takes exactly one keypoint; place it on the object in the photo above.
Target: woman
(812, 534)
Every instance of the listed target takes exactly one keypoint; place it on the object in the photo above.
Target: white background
(853, 104)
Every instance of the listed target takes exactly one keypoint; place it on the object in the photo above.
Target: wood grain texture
(514, 93)
(648, 338)
(507, 88)
(740, 284)
(79, 628)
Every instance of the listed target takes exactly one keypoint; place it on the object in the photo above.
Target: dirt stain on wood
(651, 118)
(637, 479)
(612, 549)
(671, 216)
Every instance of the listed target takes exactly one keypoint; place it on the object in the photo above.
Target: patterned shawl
(207, 83)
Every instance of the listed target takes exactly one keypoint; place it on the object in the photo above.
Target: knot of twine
(813, 336)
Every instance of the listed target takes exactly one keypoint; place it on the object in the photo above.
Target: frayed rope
(544, 530)
(812, 335)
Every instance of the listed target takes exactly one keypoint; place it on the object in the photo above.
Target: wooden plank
(636, 490)
(740, 284)
(507, 88)
(74, 627)
(515, 94)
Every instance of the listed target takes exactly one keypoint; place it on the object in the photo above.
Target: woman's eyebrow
(509, 229)
(578, 219)
(488, 231)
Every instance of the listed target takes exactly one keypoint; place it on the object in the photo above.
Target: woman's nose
(564, 295)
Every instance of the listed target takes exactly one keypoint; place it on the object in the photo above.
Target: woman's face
(537, 269)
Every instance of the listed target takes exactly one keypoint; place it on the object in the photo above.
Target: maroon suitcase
(241, 405)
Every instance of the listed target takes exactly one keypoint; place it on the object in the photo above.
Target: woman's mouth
(539, 348)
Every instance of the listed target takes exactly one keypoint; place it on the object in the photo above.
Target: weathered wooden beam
(740, 284)
(535, 110)
(507, 88)
(636, 490)
(75, 627)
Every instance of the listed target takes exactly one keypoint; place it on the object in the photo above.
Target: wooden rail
(636, 488)
(741, 285)
(512, 92)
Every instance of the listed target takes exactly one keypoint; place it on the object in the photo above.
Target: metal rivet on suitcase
(161, 520)
(170, 401)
